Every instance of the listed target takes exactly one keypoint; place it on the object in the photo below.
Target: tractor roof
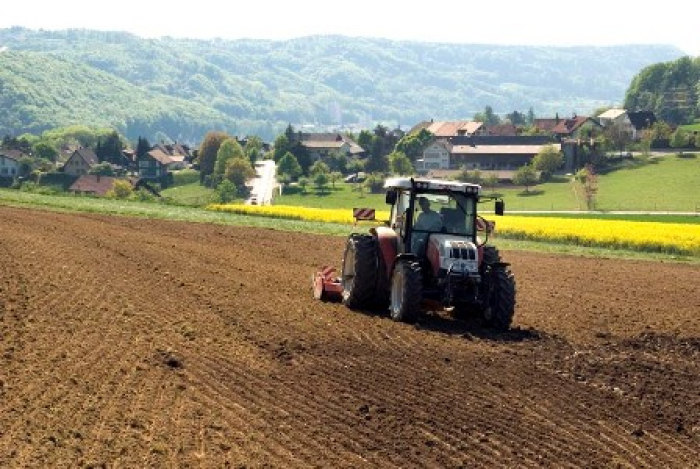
(432, 184)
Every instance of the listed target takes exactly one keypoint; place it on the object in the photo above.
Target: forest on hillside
(181, 88)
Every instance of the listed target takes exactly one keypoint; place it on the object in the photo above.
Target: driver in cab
(428, 219)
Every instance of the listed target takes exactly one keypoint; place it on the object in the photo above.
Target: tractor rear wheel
(360, 268)
(498, 313)
(406, 295)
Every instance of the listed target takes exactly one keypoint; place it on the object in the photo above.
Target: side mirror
(391, 197)
(500, 207)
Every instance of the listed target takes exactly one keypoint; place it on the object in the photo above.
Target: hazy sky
(516, 22)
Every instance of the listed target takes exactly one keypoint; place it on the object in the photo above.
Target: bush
(375, 183)
(58, 179)
(142, 195)
(121, 190)
(185, 176)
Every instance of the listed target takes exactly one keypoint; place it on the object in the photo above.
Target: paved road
(264, 183)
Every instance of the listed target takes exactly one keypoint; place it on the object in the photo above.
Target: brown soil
(140, 343)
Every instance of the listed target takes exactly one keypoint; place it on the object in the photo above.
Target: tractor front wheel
(406, 293)
(360, 267)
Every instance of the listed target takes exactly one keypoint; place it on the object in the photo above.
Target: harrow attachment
(326, 285)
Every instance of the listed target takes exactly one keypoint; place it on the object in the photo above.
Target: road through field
(140, 343)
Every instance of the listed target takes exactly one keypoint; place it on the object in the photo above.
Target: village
(439, 149)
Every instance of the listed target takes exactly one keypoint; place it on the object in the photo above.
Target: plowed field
(139, 343)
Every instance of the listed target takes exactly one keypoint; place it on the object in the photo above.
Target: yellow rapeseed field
(674, 238)
(290, 212)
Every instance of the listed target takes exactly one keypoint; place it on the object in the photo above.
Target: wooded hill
(184, 87)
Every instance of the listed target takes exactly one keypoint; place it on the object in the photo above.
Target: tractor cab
(425, 209)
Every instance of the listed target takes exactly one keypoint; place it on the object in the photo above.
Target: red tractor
(429, 256)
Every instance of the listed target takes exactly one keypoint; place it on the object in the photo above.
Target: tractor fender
(387, 239)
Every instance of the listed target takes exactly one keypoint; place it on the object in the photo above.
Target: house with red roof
(575, 127)
(93, 184)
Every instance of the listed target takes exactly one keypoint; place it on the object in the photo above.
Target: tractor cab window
(399, 213)
(448, 213)
(458, 215)
(426, 219)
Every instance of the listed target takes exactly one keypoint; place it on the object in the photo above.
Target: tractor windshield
(451, 212)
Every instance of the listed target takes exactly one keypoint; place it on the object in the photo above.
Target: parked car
(356, 177)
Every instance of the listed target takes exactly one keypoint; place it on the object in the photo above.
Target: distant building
(9, 162)
(500, 155)
(631, 122)
(573, 127)
(93, 184)
(80, 162)
(321, 145)
(446, 129)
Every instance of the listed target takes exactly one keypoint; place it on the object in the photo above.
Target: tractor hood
(452, 253)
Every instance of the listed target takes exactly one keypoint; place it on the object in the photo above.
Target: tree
(284, 180)
(473, 177)
(491, 181)
(589, 180)
(225, 192)
(282, 146)
(616, 137)
(321, 181)
(337, 161)
(26, 166)
(253, 148)
(530, 116)
(303, 183)
(289, 166)
(412, 145)
(488, 117)
(303, 157)
(229, 149)
(525, 176)
(400, 164)
(659, 134)
(365, 139)
(46, 151)
(110, 148)
(290, 133)
(208, 151)
(377, 161)
(375, 183)
(548, 160)
(516, 118)
(142, 147)
(319, 167)
(335, 176)
(679, 138)
(238, 171)
(253, 155)
(356, 166)
(102, 169)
